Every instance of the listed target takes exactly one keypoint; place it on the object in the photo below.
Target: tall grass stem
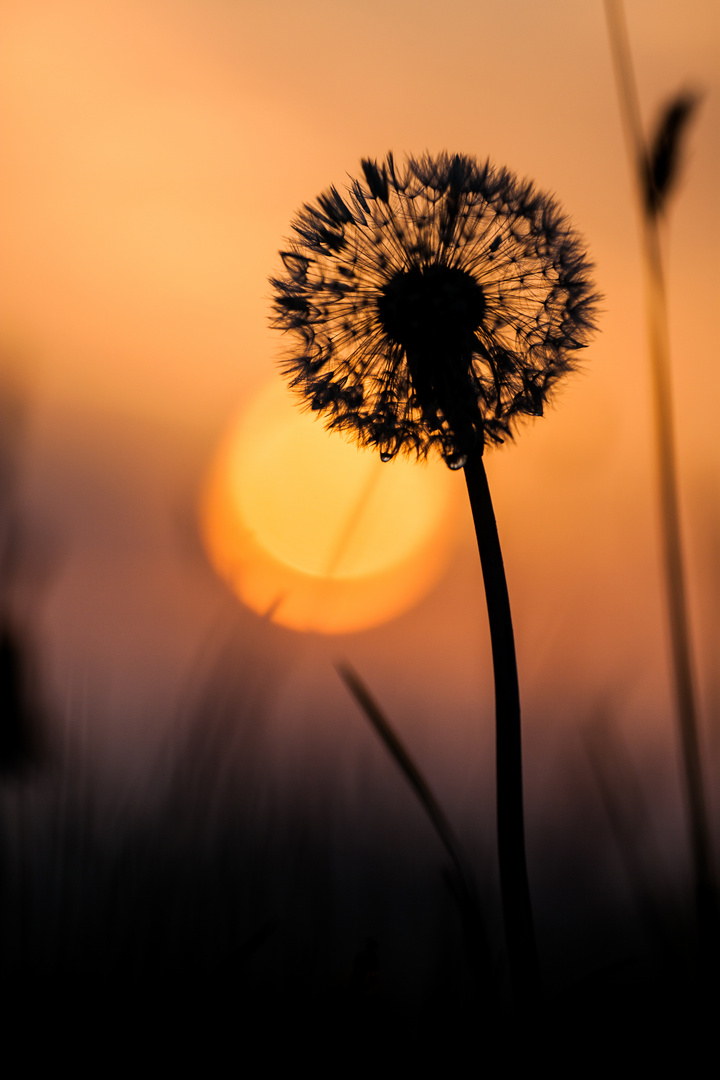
(659, 347)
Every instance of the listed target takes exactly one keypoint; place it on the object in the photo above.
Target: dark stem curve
(514, 887)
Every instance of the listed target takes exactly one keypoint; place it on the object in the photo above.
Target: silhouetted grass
(460, 881)
(655, 165)
(211, 920)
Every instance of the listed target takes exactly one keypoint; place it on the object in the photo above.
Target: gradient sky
(154, 153)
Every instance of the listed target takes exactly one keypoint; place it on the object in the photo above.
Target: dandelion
(431, 308)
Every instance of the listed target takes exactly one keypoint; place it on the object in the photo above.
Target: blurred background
(154, 155)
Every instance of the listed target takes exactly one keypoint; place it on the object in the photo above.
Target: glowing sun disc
(316, 532)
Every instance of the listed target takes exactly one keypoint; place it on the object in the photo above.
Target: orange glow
(154, 155)
(316, 532)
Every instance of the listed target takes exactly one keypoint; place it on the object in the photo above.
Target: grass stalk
(461, 884)
(406, 764)
(651, 198)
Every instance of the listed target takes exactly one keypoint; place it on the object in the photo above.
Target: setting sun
(320, 534)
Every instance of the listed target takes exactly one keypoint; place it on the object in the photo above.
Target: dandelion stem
(517, 912)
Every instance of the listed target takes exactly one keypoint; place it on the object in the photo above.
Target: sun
(318, 534)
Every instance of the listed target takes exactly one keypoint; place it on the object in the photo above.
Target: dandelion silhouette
(432, 308)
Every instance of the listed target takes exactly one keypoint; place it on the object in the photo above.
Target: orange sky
(154, 154)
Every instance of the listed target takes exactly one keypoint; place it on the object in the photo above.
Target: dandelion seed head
(433, 306)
